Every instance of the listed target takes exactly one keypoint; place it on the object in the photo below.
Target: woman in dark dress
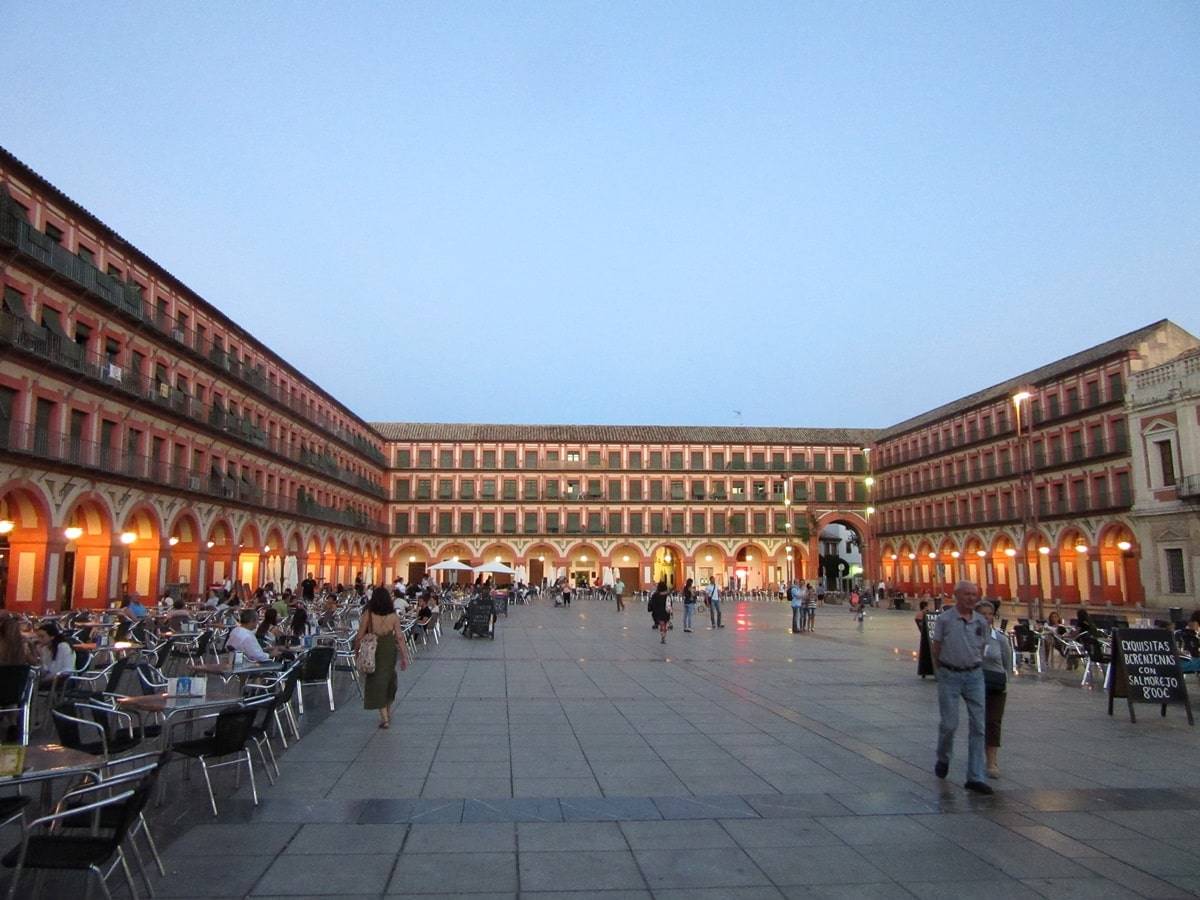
(658, 609)
(379, 687)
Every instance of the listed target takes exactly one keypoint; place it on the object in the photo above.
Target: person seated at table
(268, 628)
(15, 649)
(243, 639)
(58, 656)
(425, 611)
(179, 615)
(132, 606)
(1188, 638)
(299, 624)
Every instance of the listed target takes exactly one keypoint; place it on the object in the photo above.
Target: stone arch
(184, 542)
(1074, 551)
(140, 537)
(27, 582)
(222, 551)
(1120, 578)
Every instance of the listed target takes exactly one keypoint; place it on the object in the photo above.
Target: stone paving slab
(576, 757)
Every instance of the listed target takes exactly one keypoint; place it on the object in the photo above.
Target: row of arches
(92, 546)
(1072, 565)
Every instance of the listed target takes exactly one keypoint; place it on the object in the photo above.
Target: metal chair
(146, 772)
(316, 667)
(70, 725)
(17, 686)
(80, 853)
(228, 738)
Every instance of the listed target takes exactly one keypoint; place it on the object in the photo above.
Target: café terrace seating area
(151, 704)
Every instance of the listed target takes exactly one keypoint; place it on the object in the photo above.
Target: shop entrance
(537, 570)
(416, 571)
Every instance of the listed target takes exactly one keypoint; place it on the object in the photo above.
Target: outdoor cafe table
(172, 707)
(46, 762)
(227, 670)
(116, 647)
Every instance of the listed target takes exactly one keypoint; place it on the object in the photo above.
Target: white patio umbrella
(521, 574)
(450, 565)
(606, 577)
(291, 571)
(494, 568)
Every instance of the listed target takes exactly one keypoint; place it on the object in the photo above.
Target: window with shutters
(551, 523)
(819, 462)
(509, 523)
(635, 490)
(677, 491)
(466, 522)
(656, 459)
(423, 523)
(760, 523)
(697, 459)
(614, 459)
(676, 459)
(424, 459)
(467, 459)
(510, 488)
(821, 489)
(656, 489)
(656, 523)
(718, 460)
(487, 523)
(614, 523)
(737, 523)
(445, 522)
(489, 489)
(489, 459)
(614, 489)
(595, 523)
(593, 459)
(635, 523)
(400, 523)
(510, 459)
(445, 459)
(718, 523)
(403, 458)
(677, 523)
(423, 488)
(531, 489)
(635, 459)
(572, 523)
(445, 489)
(466, 489)
(1176, 571)
(531, 523)
(697, 523)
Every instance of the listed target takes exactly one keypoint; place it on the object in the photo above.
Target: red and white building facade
(639, 503)
(1025, 488)
(145, 439)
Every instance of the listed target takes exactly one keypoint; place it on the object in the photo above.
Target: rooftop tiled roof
(621, 434)
(1057, 369)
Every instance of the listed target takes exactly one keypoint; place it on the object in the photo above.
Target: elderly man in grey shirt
(958, 640)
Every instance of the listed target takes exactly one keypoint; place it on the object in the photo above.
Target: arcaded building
(146, 439)
(642, 503)
(1026, 487)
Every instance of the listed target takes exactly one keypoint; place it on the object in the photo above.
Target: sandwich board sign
(1145, 669)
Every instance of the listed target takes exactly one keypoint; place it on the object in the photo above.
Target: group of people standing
(660, 605)
(803, 599)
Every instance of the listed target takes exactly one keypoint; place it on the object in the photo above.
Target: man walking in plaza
(796, 596)
(619, 590)
(958, 640)
(714, 603)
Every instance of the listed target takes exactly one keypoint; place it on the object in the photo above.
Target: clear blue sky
(817, 214)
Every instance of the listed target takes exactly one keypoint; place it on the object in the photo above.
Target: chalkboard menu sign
(1145, 669)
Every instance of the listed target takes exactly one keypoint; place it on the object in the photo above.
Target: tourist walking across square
(714, 603)
(959, 637)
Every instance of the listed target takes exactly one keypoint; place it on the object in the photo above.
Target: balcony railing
(1189, 487)
(126, 297)
(1046, 510)
(30, 441)
(1114, 445)
(54, 348)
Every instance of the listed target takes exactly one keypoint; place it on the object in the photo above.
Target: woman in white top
(58, 656)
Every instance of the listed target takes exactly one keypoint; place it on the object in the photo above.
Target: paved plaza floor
(575, 756)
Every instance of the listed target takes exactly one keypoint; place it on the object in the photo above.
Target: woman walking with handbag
(997, 663)
(379, 640)
(658, 609)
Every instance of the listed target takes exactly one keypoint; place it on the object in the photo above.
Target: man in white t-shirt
(714, 603)
(242, 638)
